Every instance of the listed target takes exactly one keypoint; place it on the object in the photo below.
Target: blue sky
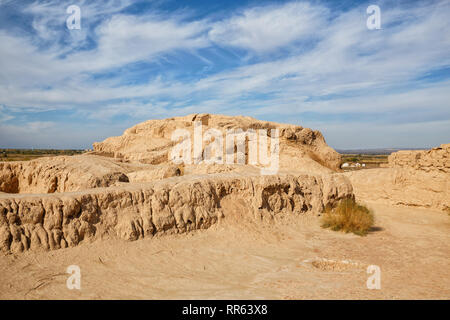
(311, 63)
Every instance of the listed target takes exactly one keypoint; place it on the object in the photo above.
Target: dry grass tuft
(348, 216)
(447, 210)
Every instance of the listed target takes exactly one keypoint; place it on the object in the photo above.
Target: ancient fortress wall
(419, 178)
(130, 188)
(436, 159)
(175, 205)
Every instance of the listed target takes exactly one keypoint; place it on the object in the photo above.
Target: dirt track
(244, 260)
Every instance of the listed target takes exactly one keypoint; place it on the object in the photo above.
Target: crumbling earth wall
(174, 205)
(419, 178)
(436, 159)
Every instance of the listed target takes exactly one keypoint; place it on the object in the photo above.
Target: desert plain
(142, 226)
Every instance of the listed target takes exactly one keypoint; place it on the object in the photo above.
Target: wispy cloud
(302, 62)
(268, 28)
(4, 117)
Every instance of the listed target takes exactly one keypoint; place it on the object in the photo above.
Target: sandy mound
(142, 155)
(414, 178)
(130, 189)
(61, 174)
(301, 149)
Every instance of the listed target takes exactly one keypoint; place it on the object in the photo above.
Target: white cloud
(127, 39)
(39, 125)
(264, 29)
(347, 69)
(356, 135)
(3, 116)
(120, 40)
(338, 64)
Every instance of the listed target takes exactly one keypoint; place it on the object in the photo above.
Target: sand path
(241, 259)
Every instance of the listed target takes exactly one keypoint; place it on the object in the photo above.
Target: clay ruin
(127, 187)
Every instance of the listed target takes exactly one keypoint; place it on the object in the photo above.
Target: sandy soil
(242, 259)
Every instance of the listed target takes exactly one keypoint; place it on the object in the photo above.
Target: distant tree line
(4, 152)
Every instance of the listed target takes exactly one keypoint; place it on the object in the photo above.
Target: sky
(309, 63)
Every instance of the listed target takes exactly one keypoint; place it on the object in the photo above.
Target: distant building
(345, 165)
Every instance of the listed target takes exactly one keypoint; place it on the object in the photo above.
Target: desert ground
(294, 260)
(140, 227)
